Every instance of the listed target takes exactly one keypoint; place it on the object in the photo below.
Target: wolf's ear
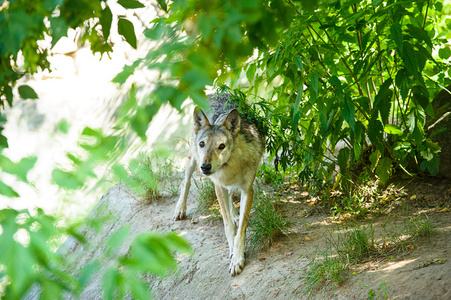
(200, 119)
(233, 122)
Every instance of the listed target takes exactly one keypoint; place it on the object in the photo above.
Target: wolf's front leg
(226, 205)
(180, 208)
(237, 262)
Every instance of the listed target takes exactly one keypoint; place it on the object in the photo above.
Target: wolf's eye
(222, 146)
(202, 144)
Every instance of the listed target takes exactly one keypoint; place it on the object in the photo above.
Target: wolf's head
(214, 143)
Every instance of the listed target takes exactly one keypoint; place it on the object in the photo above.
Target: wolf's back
(221, 105)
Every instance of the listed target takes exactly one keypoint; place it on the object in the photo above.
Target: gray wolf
(227, 149)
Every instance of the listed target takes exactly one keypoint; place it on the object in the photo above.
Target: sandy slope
(278, 272)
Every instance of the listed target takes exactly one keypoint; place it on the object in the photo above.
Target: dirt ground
(421, 270)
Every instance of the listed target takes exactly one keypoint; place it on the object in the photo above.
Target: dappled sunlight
(392, 266)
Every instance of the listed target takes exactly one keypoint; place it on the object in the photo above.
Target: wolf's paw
(236, 265)
(179, 214)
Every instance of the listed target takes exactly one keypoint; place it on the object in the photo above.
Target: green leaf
(117, 239)
(343, 159)
(26, 92)
(24, 166)
(375, 133)
(9, 94)
(122, 76)
(444, 53)
(105, 20)
(298, 61)
(401, 150)
(140, 290)
(197, 79)
(177, 243)
(20, 169)
(140, 123)
(314, 80)
(63, 126)
(150, 253)
(234, 33)
(298, 99)
(7, 191)
(88, 131)
(382, 101)
(420, 34)
(309, 5)
(421, 95)
(130, 4)
(109, 282)
(120, 172)
(364, 103)
(51, 289)
(167, 93)
(418, 132)
(163, 5)
(383, 169)
(393, 129)
(409, 57)
(433, 166)
(218, 37)
(410, 122)
(87, 272)
(126, 29)
(58, 28)
(67, 180)
(396, 35)
(15, 29)
(3, 140)
(250, 73)
(157, 31)
(403, 82)
(348, 112)
(359, 137)
(20, 271)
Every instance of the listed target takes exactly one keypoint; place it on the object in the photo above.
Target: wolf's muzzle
(206, 169)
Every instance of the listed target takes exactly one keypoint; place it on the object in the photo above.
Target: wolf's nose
(206, 168)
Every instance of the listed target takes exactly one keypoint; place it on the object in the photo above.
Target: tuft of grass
(414, 228)
(353, 246)
(417, 227)
(327, 269)
(334, 262)
(341, 252)
(153, 175)
(207, 198)
(266, 224)
(356, 244)
(383, 292)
